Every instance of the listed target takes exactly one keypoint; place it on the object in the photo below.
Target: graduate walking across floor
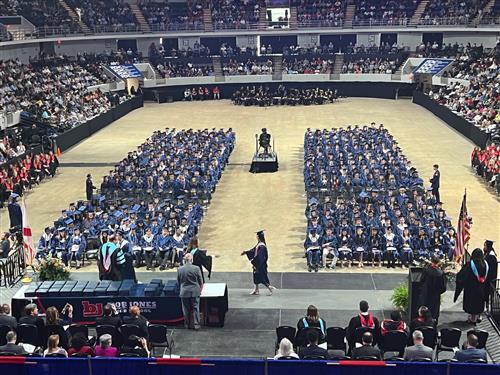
(258, 257)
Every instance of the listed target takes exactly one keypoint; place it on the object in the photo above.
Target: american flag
(463, 230)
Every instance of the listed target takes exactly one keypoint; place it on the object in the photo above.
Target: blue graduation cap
(117, 214)
(136, 207)
(133, 226)
(61, 229)
(82, 208)
(68, 221)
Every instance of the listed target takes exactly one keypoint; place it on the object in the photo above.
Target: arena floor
(245, 202)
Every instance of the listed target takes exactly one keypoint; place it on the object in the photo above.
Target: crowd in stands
(115, 15)
(249, 67)
(235, 14)
(478, 101)
(264, 96)
(227, 51)
(316, 65)
(149, 204)
(170, 68)
(172, 16)
(375, 65)
(322, 13)
(486, 164)
(201, 93)
(451, 11)
(391, 12)
(369, 338)
(367, 203)
(55, 90)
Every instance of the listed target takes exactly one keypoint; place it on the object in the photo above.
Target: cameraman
(15, 213)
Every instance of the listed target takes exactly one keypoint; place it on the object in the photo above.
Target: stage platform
(264, 163)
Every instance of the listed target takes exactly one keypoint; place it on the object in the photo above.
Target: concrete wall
(488, 40)
(246, 41)
(144, 43)
(188, 41)
(308, 40)
(368, 38)
(71, 48)
(22, 52)
(410, 39)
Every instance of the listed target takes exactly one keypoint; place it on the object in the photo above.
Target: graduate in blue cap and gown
(258, 258)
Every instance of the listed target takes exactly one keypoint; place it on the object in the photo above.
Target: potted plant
(52, 269)
(400, 299)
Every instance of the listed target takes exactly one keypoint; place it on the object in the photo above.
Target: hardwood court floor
(245, 202)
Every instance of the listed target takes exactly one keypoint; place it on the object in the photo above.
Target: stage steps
(262, 18)
(219, 74)
(74, 16)
(396, 76)
(349, 14)
(415, 18)
(293, 18)
(337, 67)
(207, 19)
(277, 68)
(137, 12)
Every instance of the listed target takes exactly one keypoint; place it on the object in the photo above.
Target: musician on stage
(258, 257)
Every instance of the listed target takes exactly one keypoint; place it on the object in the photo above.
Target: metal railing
(397, 22)
(494, 303)
(445, 21)
(13, 267)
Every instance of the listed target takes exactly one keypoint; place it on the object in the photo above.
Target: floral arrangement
(52, 269)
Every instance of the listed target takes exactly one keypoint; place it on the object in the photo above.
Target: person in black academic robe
(15, 212)
(110, 260)
(127, 268)
(258, 257)
(471, 279)
(491, 258)
(89, 187)
(433, 285)
(200, 258)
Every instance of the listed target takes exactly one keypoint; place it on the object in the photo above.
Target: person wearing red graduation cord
(258, 257)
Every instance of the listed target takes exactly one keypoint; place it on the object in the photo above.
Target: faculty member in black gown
(472, 280)
(258, 257)
(490, 257)
(433, 285)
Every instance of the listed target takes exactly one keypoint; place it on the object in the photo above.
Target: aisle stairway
(207, 19)
(219, 74)
(337, 66)
(415, 19)
(484, 11)
(349, 15)
(293, 18)
(262, 19)
(277, 68)
(137, 12)
(75, 17)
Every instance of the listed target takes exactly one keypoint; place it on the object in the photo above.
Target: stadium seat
(430, 336)
(28, 334)
(449, 340)
(358, 334)
(110, 330)
(159, 337)
(301, 337)
(285, 331)
(394, 342)
(130, 329)
(57, 330)
(78, 328)
(482, 337)
(335, 338)
(3, 332)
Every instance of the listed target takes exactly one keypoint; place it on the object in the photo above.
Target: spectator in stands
(424, 319)
(135, 318)
(312, 350)
(104, 349)
(366, 350)
(53, 347)
(418, 351)
(135, 345)
(286, 350)
(31, 317)
(312, 320)
(110, 317)
(6, 319)
(395, 323)
(4, 245)
(79, 347)
(11, 347)
(363, 319)
(470, 351)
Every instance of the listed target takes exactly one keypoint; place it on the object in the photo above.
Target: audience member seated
(173, 15)
(263, 96)
(418, 351)
(366, 350)
(52, 316)
(110, 316)
(250, 67)
(424, 319)
(394, 324)
(135, 346)
(316, 65)
(451, 12)
(31, 317)
(6, 319)
(312, 320)
(470, 352)
(363, 320)
(113, 15)
(329, 13)
(173, 69)
(135, 318)
(312, 350)
(201, 93)
(385, 12)
(105, 348)
(374, 216)
(285, 350)
(486, 164)
(53, 348)
(235, 14)
(79, 347)
(11, 347)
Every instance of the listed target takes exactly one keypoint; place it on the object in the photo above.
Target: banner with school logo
(432, 66)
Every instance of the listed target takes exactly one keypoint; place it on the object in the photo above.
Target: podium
(414, 290)
(265, 158)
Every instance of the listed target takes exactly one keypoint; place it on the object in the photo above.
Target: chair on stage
(28, 334)
(394, 342)
(335, 338)
(55, 329)
(449, 340)
(3, 333)
(430, 336)
(285, 331)
(160, 337)
(128, 330)
(116, 337)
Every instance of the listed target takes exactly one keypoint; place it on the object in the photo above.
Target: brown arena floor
(244, 202)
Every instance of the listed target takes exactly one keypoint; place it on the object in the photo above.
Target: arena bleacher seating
(386, 12)
(109, 15)
(320, 13)
(235, 14)
(486, 164)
